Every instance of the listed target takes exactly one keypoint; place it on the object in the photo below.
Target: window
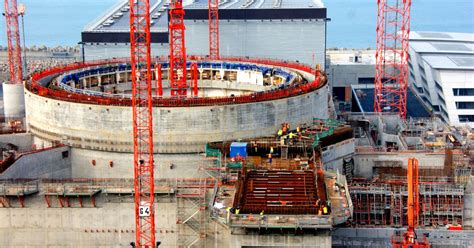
(444, 112)
(424, 80)
(65, 154)
(412, 75)
(465, 105)
(363, 80)
(466, 118)
(438, 86)
(441, 99)
(420, 89)
(463, 92)
(422, 70)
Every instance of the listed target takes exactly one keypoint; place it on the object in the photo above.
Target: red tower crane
(391, 76)
(177, 73)
(142, 123)
(214, 29)
(13, 41)
(409, 238)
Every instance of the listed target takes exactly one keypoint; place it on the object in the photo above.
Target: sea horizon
(60, 23)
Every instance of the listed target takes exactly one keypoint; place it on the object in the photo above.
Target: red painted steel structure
(142, 104)
(13, 40)
(177, 73)
(409, 239)
(194, 79)
(214, 29)
(391, 77)
(159, 79)
(36, 87)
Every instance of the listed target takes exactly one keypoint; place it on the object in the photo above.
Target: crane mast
(142, 123)
(178, 72)
(409, 238)
(214, 29)
(391, 57)
(13, 41)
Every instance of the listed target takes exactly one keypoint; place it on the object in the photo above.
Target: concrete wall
(364, 162)
(185, 165)
(278, 240)
(177, 130)
(287, 40)
(112, 224)
(44, 164)
(24, 141)
(333, 156)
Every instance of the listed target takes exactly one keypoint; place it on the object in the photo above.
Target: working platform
(283, 199)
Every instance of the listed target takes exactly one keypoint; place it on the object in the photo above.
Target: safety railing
(36, 86)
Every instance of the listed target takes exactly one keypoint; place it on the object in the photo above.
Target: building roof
(364, 97)
(116, 19)
(259, 4)
(451, 51)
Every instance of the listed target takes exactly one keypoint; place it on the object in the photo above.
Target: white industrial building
(293, 30)
(442, 72)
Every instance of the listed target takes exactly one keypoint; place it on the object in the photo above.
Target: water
(60, 22)
(353, 21)
(57, 22)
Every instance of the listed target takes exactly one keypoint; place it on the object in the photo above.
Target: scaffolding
(379, 204)
(191, 212)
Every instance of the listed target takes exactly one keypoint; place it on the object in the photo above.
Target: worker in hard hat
(280, 132)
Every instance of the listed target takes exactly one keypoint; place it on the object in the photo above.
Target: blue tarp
(238, 149)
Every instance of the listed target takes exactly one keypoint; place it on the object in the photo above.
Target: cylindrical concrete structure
(66, 105)
(13, 100)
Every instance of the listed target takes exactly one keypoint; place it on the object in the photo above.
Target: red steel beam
(194, 79)
(142, 104)
(13, 41)
(159, 79)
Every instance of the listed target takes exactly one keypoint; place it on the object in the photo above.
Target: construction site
(190, 150)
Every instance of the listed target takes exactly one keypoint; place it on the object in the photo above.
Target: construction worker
(280, 132)
(228, 214)
(298, 130)
(237, 211)
(261, 217)
(325, 210)
(291, 135)
(270, 159)
(271, 149)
